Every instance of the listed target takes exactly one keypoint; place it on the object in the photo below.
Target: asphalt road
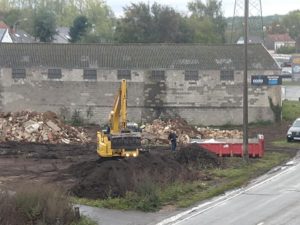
(273, 199)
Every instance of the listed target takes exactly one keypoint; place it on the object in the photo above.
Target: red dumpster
(233, 147)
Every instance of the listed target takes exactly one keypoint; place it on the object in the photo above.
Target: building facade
(202, 84)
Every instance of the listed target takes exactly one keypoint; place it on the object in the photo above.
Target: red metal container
(233, 147)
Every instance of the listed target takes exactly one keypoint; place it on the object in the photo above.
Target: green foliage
(286, 50)
(36, 204)
(44, 24)
(137, 24)
(207, 19)
(76, 119)
(160, 24)
(96, 11)
(290, 110)
(292, 23)
(79, 28)
(277, 28)
(12, 16)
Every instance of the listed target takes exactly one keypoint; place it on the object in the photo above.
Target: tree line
(93, 21)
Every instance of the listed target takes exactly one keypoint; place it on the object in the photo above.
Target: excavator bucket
(128, 141)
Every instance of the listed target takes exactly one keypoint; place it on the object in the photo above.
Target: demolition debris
(37, 127)
(157, 132)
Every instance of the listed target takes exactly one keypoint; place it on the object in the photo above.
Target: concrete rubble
(44, 127)
(156, 133)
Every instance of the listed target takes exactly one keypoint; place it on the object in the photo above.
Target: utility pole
(245, 93)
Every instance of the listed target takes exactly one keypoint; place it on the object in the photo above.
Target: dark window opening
(124, 74)
(54, 73)
(18, 73)
(227, 75)
(158, 75)
(191, 75)
(90, 74)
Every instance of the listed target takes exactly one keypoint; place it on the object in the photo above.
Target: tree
(166, 24)
(157, 23)
(292, 22)
(79, 28)
(208, 19)
(44, 25)
(277, 28)
(136, 26)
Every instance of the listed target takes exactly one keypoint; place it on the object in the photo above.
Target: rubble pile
(156, 133)
(207, 133)
(45, 127)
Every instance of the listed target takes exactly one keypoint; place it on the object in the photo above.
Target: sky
(269, 7)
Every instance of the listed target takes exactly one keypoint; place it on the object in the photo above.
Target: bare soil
(77, 168)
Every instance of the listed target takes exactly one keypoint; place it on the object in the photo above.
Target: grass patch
(291, 83)
(151, 197)
(290, 110)
(284, 144)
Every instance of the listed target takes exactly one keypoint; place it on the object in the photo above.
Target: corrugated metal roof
(135, 56)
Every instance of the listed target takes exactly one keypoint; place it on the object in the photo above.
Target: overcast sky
(269, 7)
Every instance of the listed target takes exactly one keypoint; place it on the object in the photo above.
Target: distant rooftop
(280, 37)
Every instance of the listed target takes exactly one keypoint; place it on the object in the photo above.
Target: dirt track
(70, 165)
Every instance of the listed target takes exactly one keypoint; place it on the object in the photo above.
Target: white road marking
(218, 201)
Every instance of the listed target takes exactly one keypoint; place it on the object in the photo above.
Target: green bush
(76, 119)
(36, 204)
(290, 110)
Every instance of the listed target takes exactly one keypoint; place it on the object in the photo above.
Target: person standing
(173, 139)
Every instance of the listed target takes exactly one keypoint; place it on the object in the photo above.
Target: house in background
(4, 33)
(275, 41)
(20, 36)
(298, 45)
(251, 39)
(9, 35)
(62, 36)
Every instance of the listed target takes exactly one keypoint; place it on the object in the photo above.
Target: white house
(5, 36)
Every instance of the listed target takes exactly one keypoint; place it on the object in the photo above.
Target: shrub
(36, 204)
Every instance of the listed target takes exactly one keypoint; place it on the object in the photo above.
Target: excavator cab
(120, 140)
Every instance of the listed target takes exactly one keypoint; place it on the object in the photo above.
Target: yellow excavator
(118, 140)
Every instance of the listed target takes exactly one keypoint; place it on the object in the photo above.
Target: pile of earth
(114, 178)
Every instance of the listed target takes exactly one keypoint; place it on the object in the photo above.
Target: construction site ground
(68, 164)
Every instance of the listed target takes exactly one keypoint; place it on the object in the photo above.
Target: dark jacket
(172, 137)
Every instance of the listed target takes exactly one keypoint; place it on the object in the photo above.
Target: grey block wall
(207, 101)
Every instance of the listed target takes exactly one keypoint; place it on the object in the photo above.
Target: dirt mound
(115, 177)
(198, 156)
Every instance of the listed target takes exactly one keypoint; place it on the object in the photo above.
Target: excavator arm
(119, 110)
(121, 141)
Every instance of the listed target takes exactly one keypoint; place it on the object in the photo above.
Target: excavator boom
(121, 141)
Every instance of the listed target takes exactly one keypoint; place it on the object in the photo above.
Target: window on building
(191, 75)
(227, 75)
(18, 73)
(90, 74)
(124, 74)
(54, 73)
(158, 75)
